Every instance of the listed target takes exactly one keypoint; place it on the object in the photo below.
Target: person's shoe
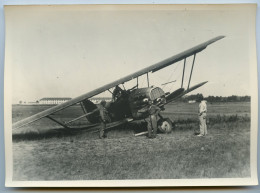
(200, 135)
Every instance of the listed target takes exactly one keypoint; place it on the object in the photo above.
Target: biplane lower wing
(152, 68)
(181, 92)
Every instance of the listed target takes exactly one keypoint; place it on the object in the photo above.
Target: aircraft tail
(88, 106)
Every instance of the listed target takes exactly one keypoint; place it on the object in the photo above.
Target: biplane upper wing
(152, 68)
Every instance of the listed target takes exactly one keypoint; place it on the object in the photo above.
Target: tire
(165, 125)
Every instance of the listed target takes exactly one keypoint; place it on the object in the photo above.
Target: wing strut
(124, 86)
(51, 118)
(84, 115)
(183, 72)
(147, 79)
(191, 69)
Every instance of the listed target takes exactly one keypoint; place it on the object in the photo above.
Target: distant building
(59, 100)
(54, 100)
(97, 100)
(191, 101)
(32, 103)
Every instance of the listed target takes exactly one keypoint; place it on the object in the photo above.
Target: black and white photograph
(130, 95)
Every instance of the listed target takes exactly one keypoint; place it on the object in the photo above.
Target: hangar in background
(54, 100)
(59, 100)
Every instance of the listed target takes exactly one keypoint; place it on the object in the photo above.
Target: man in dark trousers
(152, 120)
(104, 118)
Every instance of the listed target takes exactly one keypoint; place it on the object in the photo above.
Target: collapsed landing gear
(165, 125)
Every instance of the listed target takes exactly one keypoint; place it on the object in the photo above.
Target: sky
(69, 50)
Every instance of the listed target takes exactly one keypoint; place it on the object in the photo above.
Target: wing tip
(218, 38)
(222, 36)
(213, 40)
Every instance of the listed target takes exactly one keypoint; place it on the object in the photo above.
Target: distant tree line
(233, 98)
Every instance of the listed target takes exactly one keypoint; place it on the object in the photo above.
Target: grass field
(80, 155)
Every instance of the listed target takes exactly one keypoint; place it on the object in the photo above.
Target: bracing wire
(176, 79)
(174, 70)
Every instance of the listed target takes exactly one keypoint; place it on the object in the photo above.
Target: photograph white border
(129, 183)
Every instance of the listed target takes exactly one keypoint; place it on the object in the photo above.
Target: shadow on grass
(135, 127)
(88, 132)
(51, 133)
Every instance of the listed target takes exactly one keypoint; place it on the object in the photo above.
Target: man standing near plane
(202, 118)
(104, 119)
(152, 120)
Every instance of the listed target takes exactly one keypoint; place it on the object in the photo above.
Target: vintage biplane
(129, 104)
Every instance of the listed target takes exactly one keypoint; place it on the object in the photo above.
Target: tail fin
(87, 107)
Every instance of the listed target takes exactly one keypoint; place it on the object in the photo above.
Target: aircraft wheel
(165, 125)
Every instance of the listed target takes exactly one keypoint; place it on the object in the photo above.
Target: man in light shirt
(202, 117)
